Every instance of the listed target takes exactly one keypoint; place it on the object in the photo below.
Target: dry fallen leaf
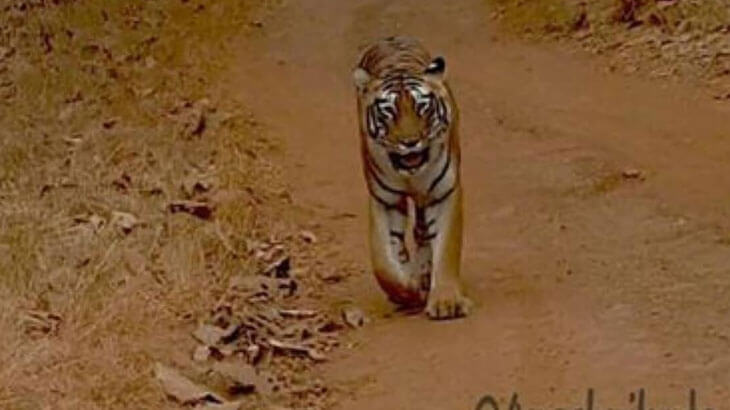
(329, 326)
(253, 287)
(123, 182)
(298, 313)
(288, 286)
(201, 210)
(193, 122)
(265, 252)
(297, 349)
(96, 222)
(242, 378)
(297, 331)
(201, 353)
(231, 405)
(182, 389)
(109, 123)
(253, 353)
(124, 221)
(194, 185)
(41, 323)
(224, 351)
(279, 268)
(330, 276)
(209, 335)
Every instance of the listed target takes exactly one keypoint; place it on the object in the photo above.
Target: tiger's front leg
(441, 222)
(391, 260)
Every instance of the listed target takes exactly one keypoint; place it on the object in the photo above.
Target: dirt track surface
(585, 275)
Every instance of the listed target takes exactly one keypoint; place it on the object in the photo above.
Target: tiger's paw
(449, 303)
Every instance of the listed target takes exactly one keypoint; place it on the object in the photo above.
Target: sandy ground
(584, 275)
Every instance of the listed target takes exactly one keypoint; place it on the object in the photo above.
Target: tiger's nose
(410, 143)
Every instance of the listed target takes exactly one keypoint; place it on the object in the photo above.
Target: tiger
(409, 143)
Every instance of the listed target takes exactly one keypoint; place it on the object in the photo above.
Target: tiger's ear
(437, 68)
(361, 78)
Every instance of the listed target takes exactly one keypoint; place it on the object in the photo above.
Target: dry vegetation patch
(131, 188)
(675, 39)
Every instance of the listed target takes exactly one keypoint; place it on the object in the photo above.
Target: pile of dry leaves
(258, 345)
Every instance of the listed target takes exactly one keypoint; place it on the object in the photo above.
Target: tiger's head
(405, 116)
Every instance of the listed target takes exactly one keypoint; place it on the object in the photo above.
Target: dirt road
(584, 277)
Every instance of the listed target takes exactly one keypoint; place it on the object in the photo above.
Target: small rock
(722, 96)
(632, 173)
(353, 316)
(308, 236)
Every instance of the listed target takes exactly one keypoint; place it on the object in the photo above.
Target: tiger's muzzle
(409, 161)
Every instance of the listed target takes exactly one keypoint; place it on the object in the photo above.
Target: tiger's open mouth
(410, 161)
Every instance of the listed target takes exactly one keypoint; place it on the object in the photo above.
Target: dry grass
(550, 16)
(533, 17)
(109, 107)
(682, 39)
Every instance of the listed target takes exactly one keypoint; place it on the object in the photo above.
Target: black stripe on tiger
(382, 184)
(426, 237)
(372, 166)
(442, 198)
(441, 174)
(399, 235)
(422, 233)
(387, 204)
(376, 126)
